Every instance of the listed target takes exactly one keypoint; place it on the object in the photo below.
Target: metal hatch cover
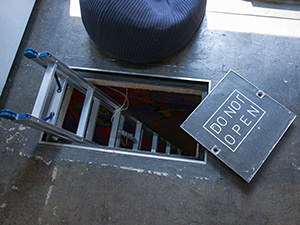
(239, 124)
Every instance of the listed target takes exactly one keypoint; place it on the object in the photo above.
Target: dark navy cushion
(142, 30)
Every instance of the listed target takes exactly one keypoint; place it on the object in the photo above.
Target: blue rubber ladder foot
(8, 114)
(30, 53)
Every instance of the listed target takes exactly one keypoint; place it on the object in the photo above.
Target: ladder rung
(197, 150)
(168, 148)
(44, 90)
(154, 142)
(178, 151)
(84, 116)
(56, 102)
(120, 128)
(64, 106)
(93, 120)
(114, 129)
(138, 136)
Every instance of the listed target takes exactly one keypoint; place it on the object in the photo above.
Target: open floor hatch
(130, 112)
(142, 115)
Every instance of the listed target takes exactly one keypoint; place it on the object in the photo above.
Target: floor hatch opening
(154, 107)
(114, 111)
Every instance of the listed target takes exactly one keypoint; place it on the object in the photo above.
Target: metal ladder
(66, 81)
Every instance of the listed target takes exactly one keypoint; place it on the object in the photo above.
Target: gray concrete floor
(42, 184)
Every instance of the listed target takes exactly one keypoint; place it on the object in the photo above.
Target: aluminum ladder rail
(66, 80)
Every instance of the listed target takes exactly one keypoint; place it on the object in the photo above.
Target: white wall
(14, 15)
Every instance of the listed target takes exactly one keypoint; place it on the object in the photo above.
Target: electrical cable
(125, 104)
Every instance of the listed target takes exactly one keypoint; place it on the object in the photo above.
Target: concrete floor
(42, 184)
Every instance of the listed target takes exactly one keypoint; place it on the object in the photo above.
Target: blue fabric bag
(142, 30)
